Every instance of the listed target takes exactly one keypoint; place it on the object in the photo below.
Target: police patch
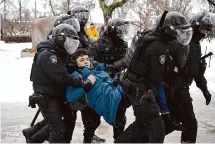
(53, 59)
(162, 59)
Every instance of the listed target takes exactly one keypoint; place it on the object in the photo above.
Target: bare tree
(52, 6)
(182, 6)
(108, 9)
(7, 5)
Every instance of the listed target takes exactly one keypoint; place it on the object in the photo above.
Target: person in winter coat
(92, 33)
(106, 97)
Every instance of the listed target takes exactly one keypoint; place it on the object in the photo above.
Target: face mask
(184, 36)
(71, 45)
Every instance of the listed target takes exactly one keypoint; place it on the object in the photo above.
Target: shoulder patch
(162, 59)
(53, 59)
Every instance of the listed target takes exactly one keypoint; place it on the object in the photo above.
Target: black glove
(111, 68)
(87, 85)
(203, 67)
(115, 82)
(207, 96)
(31, 102)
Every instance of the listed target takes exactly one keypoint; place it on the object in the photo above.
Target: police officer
(144, 75)
(182, 78)
(110, 49)
(50, 78)
(34, 133)
(82, 14)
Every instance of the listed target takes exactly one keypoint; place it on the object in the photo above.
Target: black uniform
(84, 42)
(50, 78)
(145, 73)
(179, 99)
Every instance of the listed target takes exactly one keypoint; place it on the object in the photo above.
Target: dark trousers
(62, 113)
(52, 113)
(148, 126)
(181, 108)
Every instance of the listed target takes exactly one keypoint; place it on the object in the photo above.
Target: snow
(15, 87)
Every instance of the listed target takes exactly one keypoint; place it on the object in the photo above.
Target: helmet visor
(74, 22)
(71, 45)
(82, 16)
(184, 36)
(125, 31)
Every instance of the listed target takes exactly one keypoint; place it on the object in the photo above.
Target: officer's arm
(156, 63)
(119, 64)
(57, 72)
(201, 83)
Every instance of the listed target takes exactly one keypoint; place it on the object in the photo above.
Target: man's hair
(80, 52)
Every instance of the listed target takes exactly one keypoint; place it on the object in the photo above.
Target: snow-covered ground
(15, 87)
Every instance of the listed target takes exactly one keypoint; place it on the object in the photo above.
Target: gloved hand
(111, 68)
(203, 67)
(89, 82)
(115, 82)
(31, 102)
(207, 96)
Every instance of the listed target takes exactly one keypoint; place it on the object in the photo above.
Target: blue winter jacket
(103, 97)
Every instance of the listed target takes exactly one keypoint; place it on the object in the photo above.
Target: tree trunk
(52, 9)
(35, 12)
(4, 9)
(20, 10)
(108, 10)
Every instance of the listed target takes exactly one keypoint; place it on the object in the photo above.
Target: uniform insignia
(162, 59)
(53, 59)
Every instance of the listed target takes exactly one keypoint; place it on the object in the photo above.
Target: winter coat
(93, 33)
(103, 97)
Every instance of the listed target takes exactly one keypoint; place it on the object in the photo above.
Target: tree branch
(117, 4)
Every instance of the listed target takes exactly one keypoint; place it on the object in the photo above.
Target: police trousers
(53, 111)
(181, 108)
(148, 126)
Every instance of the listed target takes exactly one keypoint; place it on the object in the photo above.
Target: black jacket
(48, 73)
(110, 51)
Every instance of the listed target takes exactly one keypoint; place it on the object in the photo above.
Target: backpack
(139, 44)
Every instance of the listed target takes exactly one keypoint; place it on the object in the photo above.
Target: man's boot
(176, 125)
(97, 139)
(29, 132)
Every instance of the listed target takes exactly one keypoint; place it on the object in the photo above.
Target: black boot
(97, 139)
(117, 131)
(176, 125)
(28, 133)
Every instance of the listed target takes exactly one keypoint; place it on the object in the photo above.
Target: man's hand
(207, 96)
(92, 79)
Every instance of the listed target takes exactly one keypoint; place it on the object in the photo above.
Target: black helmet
(175, 25)
(120, 28)
(66, 38)
(68, 19)
(204, 20)
(81, 13)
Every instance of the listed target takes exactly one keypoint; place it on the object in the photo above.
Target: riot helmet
(81, 13)
(68, 19)
(203, 23)
(121, 28)
(66, 38)
(175, 25)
